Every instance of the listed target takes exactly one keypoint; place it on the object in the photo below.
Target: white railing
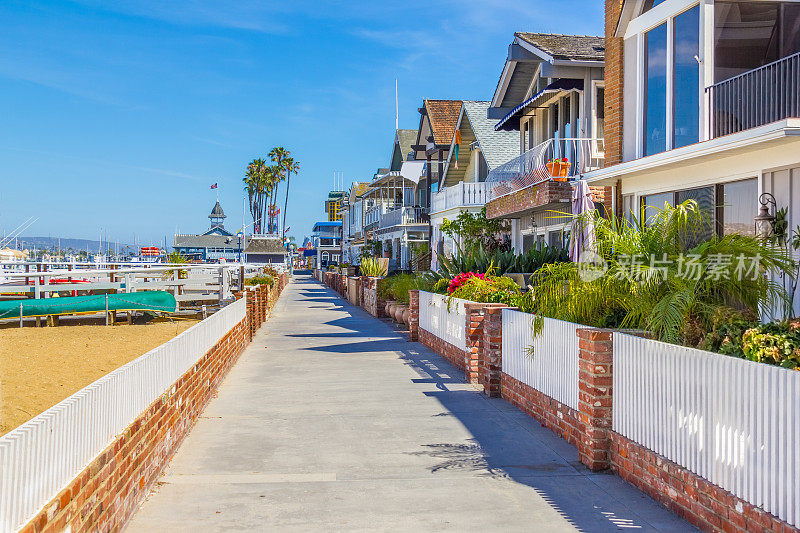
(545, 161)
(462, 195)
(42, 456)
(374, 214)
(548, 363)
(404, 216)
(734, 422)
(449, 325)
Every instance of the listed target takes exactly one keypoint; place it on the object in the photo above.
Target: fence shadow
(506, 443)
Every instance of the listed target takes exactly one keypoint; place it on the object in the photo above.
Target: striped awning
(511, 120)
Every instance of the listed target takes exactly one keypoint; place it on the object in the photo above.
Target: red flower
(462, 278)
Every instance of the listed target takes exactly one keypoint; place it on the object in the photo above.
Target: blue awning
(511, 120)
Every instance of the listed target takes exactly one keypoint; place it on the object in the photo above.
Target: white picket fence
(734, 422)
(547, 363)
(41, 457)
(449, 325)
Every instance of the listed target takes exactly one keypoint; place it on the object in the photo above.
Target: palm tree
(279, 155)
(255, 187)
(651, 274)
(289, 165)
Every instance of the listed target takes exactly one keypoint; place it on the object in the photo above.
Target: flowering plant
(461, 279)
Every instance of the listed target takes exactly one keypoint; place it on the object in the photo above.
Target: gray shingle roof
(579, 47)
(204, 241)
(406, 138)
(265, 246)
(497, 147)
(217, 211)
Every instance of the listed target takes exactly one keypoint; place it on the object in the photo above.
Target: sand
(39, 367)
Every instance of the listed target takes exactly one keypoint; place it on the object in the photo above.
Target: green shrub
(477, 259)
(372, 267)
(260, 280)
(396, 287)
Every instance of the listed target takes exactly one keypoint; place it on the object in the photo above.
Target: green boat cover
(144, 301)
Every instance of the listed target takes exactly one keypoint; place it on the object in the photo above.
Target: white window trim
(653, 19)
(596, 84)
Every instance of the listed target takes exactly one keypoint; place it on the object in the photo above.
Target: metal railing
(754, 98)
(546, 161)
(404, 216)
(462, 195)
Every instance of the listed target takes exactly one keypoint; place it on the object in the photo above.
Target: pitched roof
(217, 212)
(265, 246)
(498, 147)
(406, 138)
(443, 115)
(577, 47)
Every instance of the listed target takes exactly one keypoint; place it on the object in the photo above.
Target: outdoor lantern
(765, 218)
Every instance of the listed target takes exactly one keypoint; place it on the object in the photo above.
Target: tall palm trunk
(285, 205)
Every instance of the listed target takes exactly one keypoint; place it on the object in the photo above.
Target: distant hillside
(51, 243)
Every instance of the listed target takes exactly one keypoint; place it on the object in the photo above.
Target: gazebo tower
(217, 217)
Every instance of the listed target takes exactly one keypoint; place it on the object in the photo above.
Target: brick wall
(703, 504)
(370, 300)
(110, 489)
(551, 413)
(614, 70)
(455, 355)
(528, 198)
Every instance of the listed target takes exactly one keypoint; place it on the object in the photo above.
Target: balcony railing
(754, 98)
(546, 161)
(404, 216)
(462, 195)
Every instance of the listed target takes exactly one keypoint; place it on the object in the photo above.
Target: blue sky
(121, 114)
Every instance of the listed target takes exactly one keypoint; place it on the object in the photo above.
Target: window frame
(597, 85)
(666, 13)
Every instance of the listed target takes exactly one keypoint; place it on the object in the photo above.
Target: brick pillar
(595, 359)
(614, 70)
(413, 317)
(380, 303)
(474, 337)
(491, 360)
(362, 284)
(251, 311)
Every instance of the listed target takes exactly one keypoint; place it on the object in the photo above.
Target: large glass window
(739, 205)
(748, 35)
(727, 208)
(686, 97)
(656, 91)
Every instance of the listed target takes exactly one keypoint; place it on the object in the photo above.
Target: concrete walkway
(333, 421)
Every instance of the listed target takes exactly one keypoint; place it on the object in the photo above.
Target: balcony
(404, 216)
(462, 195)
(755, 98)
(545, 162)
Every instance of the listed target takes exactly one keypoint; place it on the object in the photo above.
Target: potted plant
(558, 168)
